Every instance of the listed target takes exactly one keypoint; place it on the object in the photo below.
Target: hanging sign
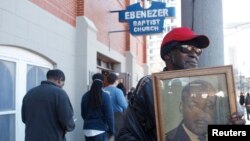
(146, 21)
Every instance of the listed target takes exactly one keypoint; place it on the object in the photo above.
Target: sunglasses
(189, 49)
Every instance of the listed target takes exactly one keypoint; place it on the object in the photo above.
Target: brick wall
(63, 9)
(80, 6)
(111, 32)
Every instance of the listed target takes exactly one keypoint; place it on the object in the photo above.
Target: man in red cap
(180, 49)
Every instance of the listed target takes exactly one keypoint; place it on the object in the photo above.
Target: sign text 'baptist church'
(146, 21)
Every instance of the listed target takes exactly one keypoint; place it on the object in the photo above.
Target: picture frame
(169, 85)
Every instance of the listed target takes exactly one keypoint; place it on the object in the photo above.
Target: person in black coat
(131, 93)
(242, 98)
(180, 49)
(46, 110)
(247, 104)
(121, 86)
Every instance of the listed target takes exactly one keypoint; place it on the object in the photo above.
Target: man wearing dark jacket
(180, 49)
(46, 111)
(247, 104)
(242, 98)
(198, 108)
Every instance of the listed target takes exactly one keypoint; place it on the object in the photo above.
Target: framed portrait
(187, 101)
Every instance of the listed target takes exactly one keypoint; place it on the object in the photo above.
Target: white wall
(205, 17)
(24, 24)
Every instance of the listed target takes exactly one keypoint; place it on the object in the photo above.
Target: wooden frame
(168, 87)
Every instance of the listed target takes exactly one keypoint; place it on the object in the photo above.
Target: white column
(205, 17)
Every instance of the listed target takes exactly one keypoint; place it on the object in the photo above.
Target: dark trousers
(118, 123)
(100, 137)
(248, 111)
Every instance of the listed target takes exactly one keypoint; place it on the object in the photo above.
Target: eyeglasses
(189, 49)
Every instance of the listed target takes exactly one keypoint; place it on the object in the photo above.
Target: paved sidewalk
(247, 122)
(245, 116)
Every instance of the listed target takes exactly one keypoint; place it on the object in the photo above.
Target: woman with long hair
(97, 112)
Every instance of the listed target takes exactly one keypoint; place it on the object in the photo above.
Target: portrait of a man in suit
(198, 108)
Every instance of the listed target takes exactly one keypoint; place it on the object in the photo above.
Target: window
(35, 75)
(20, 70)
(7, 101)
(99, 62)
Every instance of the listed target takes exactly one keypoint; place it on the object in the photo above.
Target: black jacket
(242, 100)
(139, 121)
(177, 134)
(47, 113)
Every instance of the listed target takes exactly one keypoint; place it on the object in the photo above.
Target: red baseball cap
(182, 35)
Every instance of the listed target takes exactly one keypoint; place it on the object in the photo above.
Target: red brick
(111, 32)
(63, 9)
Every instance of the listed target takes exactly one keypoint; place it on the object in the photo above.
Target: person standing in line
(119, 102)
(46, 110)
(97, 112)
(247, 104)
(180, 49)
(130, 94)
(242, 98)
(121, 86)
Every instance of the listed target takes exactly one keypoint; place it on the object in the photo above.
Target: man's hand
(236, 118)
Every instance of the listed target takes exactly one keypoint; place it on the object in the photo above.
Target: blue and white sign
(146, 21)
